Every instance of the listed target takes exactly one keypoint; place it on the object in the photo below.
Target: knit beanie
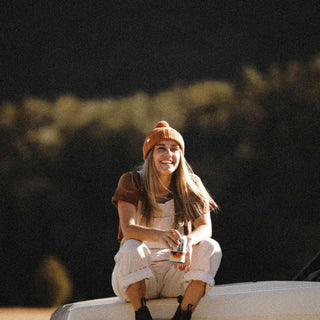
(162, 131)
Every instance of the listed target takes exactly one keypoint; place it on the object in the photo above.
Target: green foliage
(52, 285)
(253, 142)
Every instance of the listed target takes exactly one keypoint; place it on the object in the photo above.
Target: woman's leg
(129, 276)
(193, 294)
(136, 292)
(131, 270)
(205, 262)
(206, 257)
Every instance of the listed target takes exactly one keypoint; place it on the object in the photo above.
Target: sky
(103, 49)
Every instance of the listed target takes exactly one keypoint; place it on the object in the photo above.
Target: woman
(156, 206)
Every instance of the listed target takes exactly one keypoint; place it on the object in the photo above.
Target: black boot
(143, 313)
(182, 315)
(186, 315)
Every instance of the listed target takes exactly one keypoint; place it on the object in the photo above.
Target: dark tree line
(254, 143)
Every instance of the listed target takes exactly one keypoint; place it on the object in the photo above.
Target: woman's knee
(131, 244)
(132, 247)
(210, 247)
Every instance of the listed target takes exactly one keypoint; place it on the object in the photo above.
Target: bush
(253, 142)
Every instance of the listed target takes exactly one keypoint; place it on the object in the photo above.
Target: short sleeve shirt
(128, 189)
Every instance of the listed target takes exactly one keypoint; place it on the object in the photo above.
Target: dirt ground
(25, 314)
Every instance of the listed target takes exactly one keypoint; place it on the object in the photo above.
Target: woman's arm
(202, 229)
(131, 230)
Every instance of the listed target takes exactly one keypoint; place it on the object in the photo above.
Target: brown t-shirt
(128, 189)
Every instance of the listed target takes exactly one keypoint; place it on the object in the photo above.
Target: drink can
(179, 255)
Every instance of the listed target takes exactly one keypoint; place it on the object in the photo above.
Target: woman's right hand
(170, 238)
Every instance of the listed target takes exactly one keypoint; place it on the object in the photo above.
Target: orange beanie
(162, 131)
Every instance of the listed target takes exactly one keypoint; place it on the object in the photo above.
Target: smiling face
(166, 158)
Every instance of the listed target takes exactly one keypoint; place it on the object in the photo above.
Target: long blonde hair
(190, 196)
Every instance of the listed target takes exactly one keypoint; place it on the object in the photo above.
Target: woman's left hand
(183, 266)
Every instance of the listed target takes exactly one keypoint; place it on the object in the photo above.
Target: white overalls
(147, 260)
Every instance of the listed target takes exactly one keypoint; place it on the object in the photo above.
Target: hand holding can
(179, 255)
